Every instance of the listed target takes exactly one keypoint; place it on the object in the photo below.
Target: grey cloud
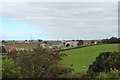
(67, 18)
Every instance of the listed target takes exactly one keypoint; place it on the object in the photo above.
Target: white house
(72, 43)
(52, 44)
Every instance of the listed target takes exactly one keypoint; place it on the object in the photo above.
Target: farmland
(80, 59)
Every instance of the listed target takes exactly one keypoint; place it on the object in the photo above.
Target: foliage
(80, 42)
(13, 41)
(39, 63)
(73, 40)
(78, 75)
(92, 41)
(3, 41)
(10, 69)
(114, 74)
(105, 62)
(45, 42)
(111, 40)
(39, 40)
(2, 49)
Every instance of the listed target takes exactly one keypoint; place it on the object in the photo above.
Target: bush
(105, 62)
(111, 40)
(114, 74)
(10, 69)
(2, 50)
(78, 75)
(39, 63)
(80, 42)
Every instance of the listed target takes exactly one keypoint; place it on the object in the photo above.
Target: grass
(64, 47)
(81, 58)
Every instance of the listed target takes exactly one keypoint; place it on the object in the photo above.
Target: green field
(81, 58)
(64, 47)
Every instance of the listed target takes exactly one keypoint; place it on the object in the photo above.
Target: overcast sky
(59, 20)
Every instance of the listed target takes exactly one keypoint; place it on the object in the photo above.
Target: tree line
(111, 40)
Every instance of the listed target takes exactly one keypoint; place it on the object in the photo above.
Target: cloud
(59, 0)
(65, 18)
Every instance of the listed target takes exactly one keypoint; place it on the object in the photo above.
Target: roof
(54, 43)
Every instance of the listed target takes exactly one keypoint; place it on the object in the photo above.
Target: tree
(3, 50)
(3, 41)
(113, 40)
(80, 42)
(104, 63)
(73, 40)
(39, 40)
(39, 63)
(45, 42)
(10, 69)
(105, 41)
(93, 41)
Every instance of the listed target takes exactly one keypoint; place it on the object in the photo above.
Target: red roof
(12, 48)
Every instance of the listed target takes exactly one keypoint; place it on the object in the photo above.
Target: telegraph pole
(31, 36)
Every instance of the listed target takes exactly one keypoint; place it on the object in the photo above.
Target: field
(64, 47)
(80, 59)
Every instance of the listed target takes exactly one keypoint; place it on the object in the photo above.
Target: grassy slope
(85, 56)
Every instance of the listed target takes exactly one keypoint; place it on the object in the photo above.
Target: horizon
(56, 39)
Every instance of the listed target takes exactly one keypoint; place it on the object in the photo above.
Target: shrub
(3, 50)
(10, 69)
(39, 63)
(104, 63)
(80, 42)
(78, 75)
(114, 74)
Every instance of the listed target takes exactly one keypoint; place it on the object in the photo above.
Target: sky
(58, 20)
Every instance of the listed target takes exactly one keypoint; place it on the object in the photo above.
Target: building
(87, 42)
(52, 44)
(71, 43)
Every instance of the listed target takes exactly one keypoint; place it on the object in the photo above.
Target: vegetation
(64, 47)
(10, 69)
(39, 40)
(81, 58)
(2, 49)
(97, 61)
(3, 41)
(106, 63)
(113, 74)
(111, 40)
(80, 42)
(38, 63)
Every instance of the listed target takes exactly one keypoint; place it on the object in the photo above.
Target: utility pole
(31, 36)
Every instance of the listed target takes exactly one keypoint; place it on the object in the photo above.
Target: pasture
(80, 59)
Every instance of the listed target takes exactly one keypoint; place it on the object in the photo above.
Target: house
(72, 43)
(20, 46)
(87, 42)
(52, 44)
(31, 41)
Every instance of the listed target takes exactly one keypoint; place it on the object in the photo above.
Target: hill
(80, 59)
